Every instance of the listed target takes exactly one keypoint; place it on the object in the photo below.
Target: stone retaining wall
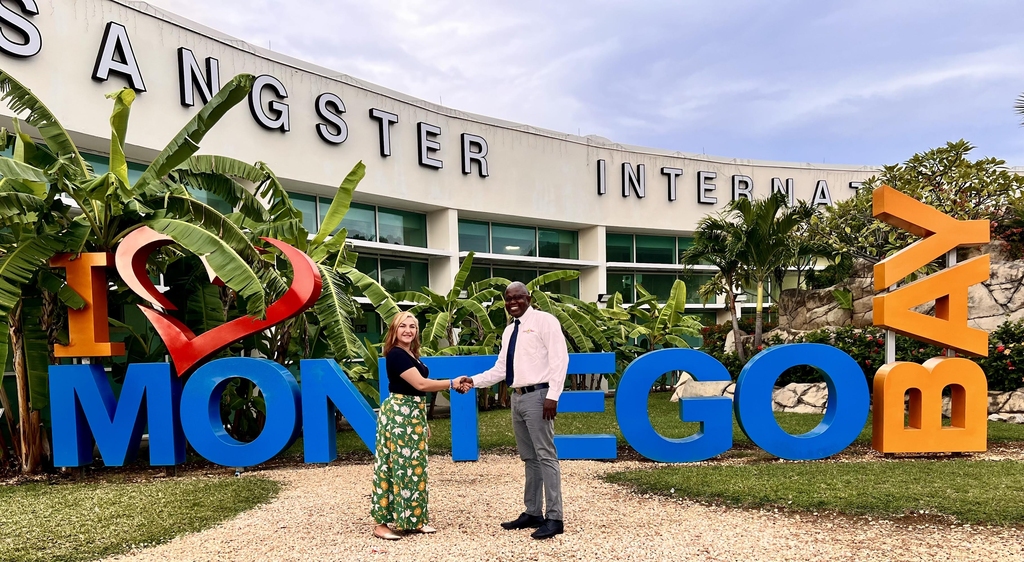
(991, 303)
(810, 398)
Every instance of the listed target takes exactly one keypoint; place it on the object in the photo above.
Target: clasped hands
(462, 384)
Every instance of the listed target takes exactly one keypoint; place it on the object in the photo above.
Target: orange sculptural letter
(941, 233)
(925, 434)
(88, 328)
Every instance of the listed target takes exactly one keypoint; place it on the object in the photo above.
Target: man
(532, 361)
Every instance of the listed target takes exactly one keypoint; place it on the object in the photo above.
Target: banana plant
(455, 324)
(51, 202)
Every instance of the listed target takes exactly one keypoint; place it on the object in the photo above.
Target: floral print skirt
(400, 470)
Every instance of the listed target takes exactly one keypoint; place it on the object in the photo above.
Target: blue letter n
(83, 408)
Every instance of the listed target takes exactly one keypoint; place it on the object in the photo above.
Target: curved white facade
(534, 177)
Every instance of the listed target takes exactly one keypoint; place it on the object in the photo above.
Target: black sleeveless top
(398, 362)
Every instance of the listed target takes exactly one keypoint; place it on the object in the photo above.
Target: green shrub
(1005, 357)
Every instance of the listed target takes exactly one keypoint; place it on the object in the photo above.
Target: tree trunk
(758, 315)
(28, 421)
(737, 340)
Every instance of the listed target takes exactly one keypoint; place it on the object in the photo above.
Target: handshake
(462, 384)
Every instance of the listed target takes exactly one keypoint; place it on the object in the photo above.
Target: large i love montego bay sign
(84, 410)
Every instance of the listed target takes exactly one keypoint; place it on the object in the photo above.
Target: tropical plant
(944, 178)
(715, 243)
(51, 202)
(763, 230)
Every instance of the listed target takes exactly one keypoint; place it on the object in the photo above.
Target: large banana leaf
(437, 329)
(460, 277)
(225, 262)
(340, 204)
(37, 354)
(203, 308)
(197, 212)
(20, 265)
(186, 142)
(20, 208)
(224, 166)
(281, 207)
(68, 296)
(568, 325)
(561, 275)
(19, 99)
(332, 309)
(672, 311)
(379, 297)
(477, 310)
(123, 99)
(226, 188)
(12, 169)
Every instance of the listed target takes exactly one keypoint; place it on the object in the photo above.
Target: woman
(400, 471)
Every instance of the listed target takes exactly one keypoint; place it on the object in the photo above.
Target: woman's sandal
(387, 534)
(426, 530)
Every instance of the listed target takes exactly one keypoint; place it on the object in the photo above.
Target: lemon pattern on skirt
(400, 469)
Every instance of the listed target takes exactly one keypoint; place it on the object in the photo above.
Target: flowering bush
(1005, 360)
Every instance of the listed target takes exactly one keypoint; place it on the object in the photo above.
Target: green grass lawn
(989, 492)
(495, 429)
(88, 521)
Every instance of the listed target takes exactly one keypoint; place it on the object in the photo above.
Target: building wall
(535, 177)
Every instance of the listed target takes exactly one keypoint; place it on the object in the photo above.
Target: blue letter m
(83, 408)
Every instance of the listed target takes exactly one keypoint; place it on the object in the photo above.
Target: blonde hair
(391, 340)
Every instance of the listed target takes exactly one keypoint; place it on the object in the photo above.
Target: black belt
(530, 388)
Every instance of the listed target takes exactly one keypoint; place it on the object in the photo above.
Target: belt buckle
(519, 391)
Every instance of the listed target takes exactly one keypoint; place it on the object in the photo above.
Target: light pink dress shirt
(541, 354)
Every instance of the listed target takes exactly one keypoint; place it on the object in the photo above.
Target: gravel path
(322, 513)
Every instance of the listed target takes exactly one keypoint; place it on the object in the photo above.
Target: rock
(1015, 418)
(996, 400)
(696, 388)
(816, 395)
(786, 397)
(997, 417)
(1015, 403)
(947, 406)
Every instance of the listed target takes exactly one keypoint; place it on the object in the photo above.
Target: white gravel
(322, 513)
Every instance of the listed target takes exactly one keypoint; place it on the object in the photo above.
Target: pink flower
(867, 362)
(999, 349)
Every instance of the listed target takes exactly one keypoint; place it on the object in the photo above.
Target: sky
(851, 82)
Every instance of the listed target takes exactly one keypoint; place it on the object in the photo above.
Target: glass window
(694, 281)
(655, 249)
(523, 275)
(368, 326)
(569, 287)
(474, 236)
(513, 240)
(477, 273)
(305, 204)
(222, 206)
(619, 247)
(361, 222)
(368, 266)
(558, 243)
(402, 227)
(400, 275)
(658, 284)
(621, 283)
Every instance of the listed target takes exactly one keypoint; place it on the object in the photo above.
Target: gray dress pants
(535, 439)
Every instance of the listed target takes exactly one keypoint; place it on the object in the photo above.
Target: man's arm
(558, 357)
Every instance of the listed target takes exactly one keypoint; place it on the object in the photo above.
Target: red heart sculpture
(187, 349)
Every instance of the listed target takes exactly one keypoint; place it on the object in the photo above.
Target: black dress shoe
(550, 528)
(525, 521)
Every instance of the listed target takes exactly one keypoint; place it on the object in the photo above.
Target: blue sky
(867, 82)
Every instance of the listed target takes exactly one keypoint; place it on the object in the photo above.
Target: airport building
(440, 182)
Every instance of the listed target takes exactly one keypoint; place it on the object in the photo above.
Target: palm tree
(716, 242)
(763, 233)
